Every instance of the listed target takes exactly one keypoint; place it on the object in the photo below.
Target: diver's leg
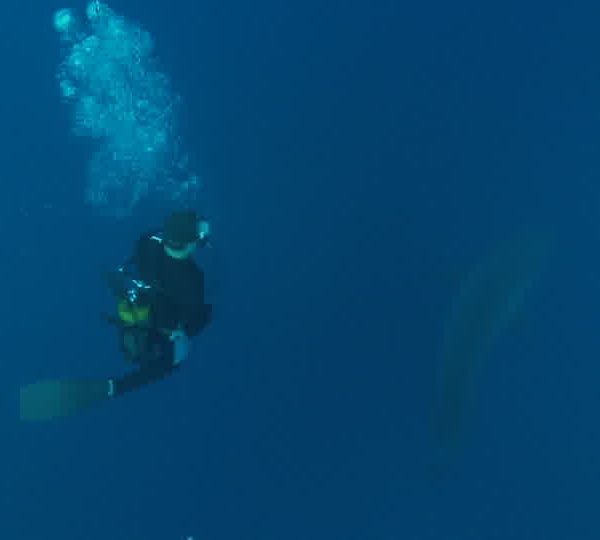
(134, 344)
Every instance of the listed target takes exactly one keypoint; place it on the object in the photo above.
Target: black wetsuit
(177, 300)
(154, 362)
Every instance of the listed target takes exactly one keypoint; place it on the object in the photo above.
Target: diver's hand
(111, 388)
(181, 345)
(176, 334)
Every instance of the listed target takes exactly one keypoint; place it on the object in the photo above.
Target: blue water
(358, 157)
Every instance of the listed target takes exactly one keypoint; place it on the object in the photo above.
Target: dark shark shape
(487, 300)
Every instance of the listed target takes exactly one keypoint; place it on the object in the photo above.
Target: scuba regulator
(132, 294)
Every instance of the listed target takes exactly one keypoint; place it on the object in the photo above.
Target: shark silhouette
(485, 303)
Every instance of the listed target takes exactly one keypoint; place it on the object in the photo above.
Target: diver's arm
(195, 314)
(118, 279)
(199, 318)
(140, 254)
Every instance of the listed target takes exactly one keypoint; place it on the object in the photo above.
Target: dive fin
(57, 398)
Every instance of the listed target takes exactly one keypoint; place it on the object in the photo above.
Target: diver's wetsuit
(177, 300)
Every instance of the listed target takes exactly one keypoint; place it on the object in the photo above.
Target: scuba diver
(161, 300)
(160, 306)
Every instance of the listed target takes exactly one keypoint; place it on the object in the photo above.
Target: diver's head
(183, 232)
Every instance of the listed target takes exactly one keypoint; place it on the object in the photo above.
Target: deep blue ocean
(358, 158)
